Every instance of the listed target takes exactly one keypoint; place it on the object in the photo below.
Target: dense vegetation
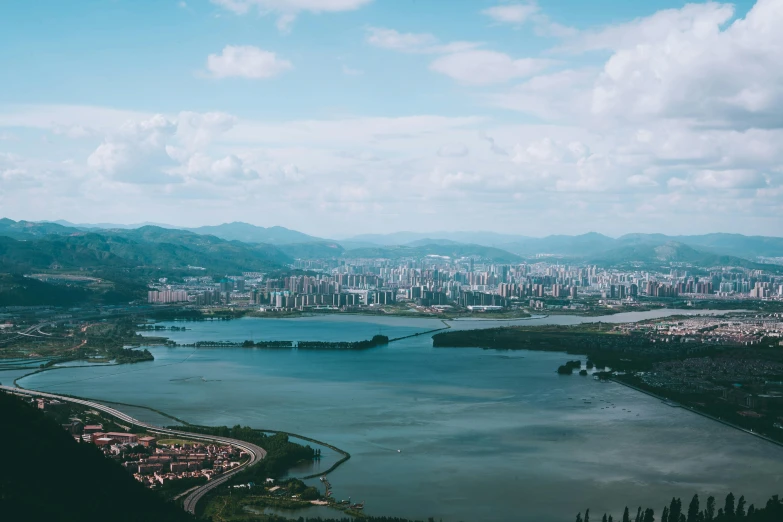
(17, 290)
(47, 476)
(569, 367)
(604, 348)
(733, 510)
(377, 340)
(36, 246)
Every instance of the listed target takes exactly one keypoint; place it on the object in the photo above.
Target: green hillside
(147, 247)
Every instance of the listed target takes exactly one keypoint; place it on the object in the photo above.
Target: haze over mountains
(231, 246)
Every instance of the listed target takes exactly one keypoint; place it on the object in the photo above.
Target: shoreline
(691, 409)
(185, 424)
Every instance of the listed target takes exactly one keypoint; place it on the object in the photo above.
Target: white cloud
(460, 179)
(136, 153)
(640, 180)
(453, 150)
(560, 96)
(152, 150)
(397, 41)
(512, 13)
(729, 179)
(246, 61)
(518, 14)
(419, 43)
(74, 132)
(460, 60)
(699, 18)
(684, 64)
(486, 67)
(548, 151)
(288, 10)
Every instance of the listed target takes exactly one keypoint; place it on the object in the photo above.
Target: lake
(482, 435)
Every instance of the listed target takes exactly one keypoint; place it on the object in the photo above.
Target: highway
(27, 332)
(256, 453)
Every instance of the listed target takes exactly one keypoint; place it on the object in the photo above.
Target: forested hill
(148, 247)
(46, 476)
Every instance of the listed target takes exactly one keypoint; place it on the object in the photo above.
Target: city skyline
(346, 117)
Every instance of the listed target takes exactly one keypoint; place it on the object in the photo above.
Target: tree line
(733, 510)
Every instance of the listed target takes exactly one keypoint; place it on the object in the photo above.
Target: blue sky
(342, 116)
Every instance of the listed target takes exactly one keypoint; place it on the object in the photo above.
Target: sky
(341, 117)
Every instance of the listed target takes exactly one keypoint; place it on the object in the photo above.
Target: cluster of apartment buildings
(176, 462)
(436, 281)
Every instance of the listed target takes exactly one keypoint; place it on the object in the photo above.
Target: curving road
(256, 453)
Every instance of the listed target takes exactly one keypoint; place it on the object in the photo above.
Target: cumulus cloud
(686, 64)
(246, 61)
(288, 10)
(137, 152)
(150, 150)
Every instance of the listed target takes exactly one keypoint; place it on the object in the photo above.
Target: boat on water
(359, 506)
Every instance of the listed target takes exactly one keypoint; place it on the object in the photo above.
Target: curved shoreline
(345, 455)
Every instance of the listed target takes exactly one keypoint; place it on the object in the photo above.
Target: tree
(665, 514)
(649, 516)
(604, 518)
(579, 517)
(774, 509)
(740, 514)
(693, 509)
(728, 509)
(587, 516)
(626, 515)
(709, 514)
(675, 508)
(639, 515)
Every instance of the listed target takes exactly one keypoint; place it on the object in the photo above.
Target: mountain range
(231, 245)
(236, 231)
(28, 246)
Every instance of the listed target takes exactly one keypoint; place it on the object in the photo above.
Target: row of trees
(733, 510)
(377, 340)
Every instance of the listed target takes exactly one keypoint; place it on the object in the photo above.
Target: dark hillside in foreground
(47, 476)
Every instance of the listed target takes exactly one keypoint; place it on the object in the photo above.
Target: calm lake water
(483, 435)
